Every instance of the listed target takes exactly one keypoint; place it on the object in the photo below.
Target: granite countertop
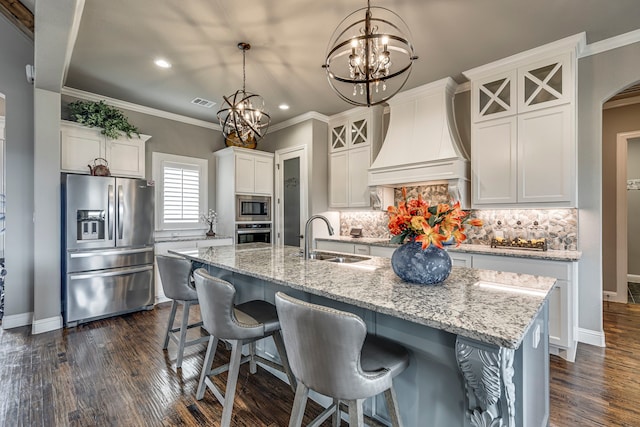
(499, 315)
(188, 238)
(552, 255)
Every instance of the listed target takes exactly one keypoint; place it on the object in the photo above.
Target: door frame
(622, 262)
(280, 156)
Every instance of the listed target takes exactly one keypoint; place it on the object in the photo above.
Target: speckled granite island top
(498, 312)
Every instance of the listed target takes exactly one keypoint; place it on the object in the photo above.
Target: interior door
(291, 196)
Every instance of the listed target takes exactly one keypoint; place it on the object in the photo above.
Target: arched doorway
(620, 126)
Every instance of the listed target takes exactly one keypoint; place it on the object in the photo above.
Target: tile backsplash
(560, 226)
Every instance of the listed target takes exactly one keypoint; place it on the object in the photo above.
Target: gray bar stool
(238, 325)
(331, 353)
(175, 274)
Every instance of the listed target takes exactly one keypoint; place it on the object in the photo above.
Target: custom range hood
(422, 145)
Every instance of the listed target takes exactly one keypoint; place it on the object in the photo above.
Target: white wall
(16, 51)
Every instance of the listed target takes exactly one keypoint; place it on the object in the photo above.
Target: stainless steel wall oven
(253, 233)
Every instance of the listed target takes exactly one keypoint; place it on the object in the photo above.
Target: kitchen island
(478, 341)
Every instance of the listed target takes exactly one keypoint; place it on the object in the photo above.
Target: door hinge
(278, 200)
(278, 166)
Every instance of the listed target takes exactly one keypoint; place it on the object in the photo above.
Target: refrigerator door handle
(120, 211)
(118, 272)
(110, 211)
(103, 253)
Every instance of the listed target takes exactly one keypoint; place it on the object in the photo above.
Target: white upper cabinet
(80, 146)
(523, 136)
(494, 97)
(546, 83)
(350, 156)
(251, 170)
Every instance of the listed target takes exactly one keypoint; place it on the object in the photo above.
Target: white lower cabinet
(563, 301)
(381, 251)
(459, 259)
(163, 248)
(347, 248)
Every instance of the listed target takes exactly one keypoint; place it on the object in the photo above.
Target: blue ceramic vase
(426, 267)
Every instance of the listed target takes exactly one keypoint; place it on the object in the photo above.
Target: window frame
(158, 161)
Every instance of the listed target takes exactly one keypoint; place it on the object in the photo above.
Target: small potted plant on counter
(210, 218)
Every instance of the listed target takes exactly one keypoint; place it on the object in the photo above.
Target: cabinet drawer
(381, 251)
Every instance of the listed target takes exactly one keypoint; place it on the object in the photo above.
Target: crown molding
(611, 43)
(575, 43)
(77, 93)
(299, 119)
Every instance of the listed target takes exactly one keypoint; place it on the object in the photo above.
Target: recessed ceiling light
(162, 63)
(283, 106)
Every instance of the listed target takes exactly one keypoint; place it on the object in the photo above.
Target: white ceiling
(119, 39)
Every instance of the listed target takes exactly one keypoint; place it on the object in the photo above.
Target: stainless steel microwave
(253, 208)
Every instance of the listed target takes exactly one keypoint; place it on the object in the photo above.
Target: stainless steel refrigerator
(108, 247)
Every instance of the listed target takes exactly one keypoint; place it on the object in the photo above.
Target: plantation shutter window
(181, 198)
(181, 192)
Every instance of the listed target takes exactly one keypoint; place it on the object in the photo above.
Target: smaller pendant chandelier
(243, 117)
(369, 58)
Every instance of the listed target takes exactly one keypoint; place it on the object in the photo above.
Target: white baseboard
(16, 320)
(633, 278)
(610, 296)
(588, 336)
(46, 325)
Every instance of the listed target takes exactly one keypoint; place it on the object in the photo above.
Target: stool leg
(356, 417)
(336, 415)
(299, 403)
(206, 366)
(282, 352)
(232, 380)
(183, 332)
(172, 318)
(253, 367)
(392, 407)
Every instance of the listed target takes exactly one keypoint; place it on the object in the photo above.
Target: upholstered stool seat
(175, 274)
(330, 352)
(238, 325)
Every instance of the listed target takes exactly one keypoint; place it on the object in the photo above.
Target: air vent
(203, 102)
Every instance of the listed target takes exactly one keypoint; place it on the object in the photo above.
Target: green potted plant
(98, 114)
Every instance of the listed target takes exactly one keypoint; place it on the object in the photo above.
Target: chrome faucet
(307, 233)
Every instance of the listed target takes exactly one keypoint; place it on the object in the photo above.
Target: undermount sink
(337, 258)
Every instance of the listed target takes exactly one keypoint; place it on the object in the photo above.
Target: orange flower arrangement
(431, 225)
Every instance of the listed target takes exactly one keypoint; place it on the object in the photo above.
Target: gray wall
(16, 51)
(313, 134)
(633, 208)
(614, 121)
(462, 114)
(600, 77)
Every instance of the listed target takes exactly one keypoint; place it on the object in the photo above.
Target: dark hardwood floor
(113, 373)
(603, 387)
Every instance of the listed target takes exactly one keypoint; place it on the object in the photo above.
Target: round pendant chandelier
(369, 56)
(242, 116)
